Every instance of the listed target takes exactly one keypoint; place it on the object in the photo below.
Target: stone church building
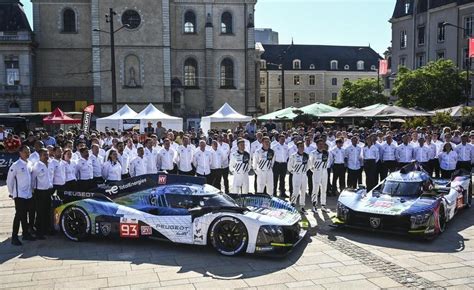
(188, 57)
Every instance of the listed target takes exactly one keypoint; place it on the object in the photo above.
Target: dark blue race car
(407, 201)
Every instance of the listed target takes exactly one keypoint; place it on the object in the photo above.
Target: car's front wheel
(441, 219)
(75, 223)
(229, 236)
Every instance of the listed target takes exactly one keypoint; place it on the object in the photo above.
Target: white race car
(183, 210)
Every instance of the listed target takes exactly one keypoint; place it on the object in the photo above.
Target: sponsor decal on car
(146, 231)
(374, 222)
(116, 189)
(162, 179)
(129, 230)
(105, 228)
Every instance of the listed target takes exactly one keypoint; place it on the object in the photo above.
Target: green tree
(468, 115)
(443, 119)
(359, 93)
(439, 84)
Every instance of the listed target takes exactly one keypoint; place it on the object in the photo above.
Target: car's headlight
(420, 220)
(342, 211)
(270, 234)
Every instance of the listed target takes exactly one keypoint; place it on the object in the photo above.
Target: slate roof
(423, 5)
(12, 16)
(320, 56)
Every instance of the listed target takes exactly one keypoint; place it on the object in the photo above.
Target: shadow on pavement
(188, 258)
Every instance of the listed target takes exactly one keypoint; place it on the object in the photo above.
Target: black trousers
(99, 180)
(387, 167)
(379, 170)
(188, 173)
(85, 184)
(425, 166)
(255, 183)
(225, 177)
(446, 173)
(436, 168)
(466, 165)
(215, 178)
(338, 174)
(173, 171)
(353, 178)
(370, 168)
(329, 187)
(309, 174)
(21, 209)
(207, 177)
(431, 166)
(279, 174)
(42, 200)
(290, 186)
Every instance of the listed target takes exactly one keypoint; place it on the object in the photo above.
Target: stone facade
(419, 37)
(166, 41)
(16, 58)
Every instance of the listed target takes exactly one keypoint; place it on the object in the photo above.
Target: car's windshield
(192, 201)
(400, 188)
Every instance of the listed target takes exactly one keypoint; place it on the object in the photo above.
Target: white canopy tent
(455, 111)
(115, 120)
(224, 118)
(152, 114)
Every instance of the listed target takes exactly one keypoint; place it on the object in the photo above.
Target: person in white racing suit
(239, 166)
(263, 159)
(298, 166)
(319, 162)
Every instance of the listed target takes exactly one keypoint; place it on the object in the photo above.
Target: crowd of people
(320, 160)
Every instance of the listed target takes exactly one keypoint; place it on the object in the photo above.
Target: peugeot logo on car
(374, 222)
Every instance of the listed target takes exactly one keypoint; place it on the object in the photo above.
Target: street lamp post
(468, 61)
(109, 18)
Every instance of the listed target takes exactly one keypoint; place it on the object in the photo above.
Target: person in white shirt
(42, 186)
(101, 152)
(130, 149)
(124, 159)
(370, 154)
(309, 146)
(225, 149)
(280, 166)
(58, 167)
(319, 162)
(388, 157)
(262, 163)
(338, 166)
(19, 189)
(112, 170)
(254, 146)
(439, 149)
(447, 161)
(166, 158)
(84, 171)
(234, 143)
(202, 160)
(34, 157)
(465, 153)
(298, 165)
(70, 167)
(97, 163)
(138, 164)
(185, 158)
(404, 152)
(239, 166)
(216, 165)
(353, 155)
(421, 154)
(431, 155)
(150, 157)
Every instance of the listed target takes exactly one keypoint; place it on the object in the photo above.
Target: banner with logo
(86, 118)
(383, 67)
(471, 47)
(6, 160)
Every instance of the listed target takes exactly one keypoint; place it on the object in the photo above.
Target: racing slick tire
(442, 220)
(469, 196)
(229, 236)
(75, 223)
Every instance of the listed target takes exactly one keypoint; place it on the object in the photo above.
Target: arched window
(360, 65)
(69, 20)
(226, 23)
(311, 66)
(189, 22)
(132, 75)
(227, 73)
(333, 64)
(190, 73)
(296, 64)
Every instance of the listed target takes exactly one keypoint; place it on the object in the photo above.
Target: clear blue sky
(339, 22)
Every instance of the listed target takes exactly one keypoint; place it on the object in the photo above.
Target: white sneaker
(323, 208)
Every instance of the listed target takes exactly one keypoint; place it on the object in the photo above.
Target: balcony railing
(18, 37)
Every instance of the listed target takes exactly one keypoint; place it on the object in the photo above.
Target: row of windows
(226, 73)
(132, 20)
(297, 80)
(334, 65)
(296, 97)
(440, 35)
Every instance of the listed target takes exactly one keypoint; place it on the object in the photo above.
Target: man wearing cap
(239, 166)
(298, 165)
(262, 163)
(465, 153)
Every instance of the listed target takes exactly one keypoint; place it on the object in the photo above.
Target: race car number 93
(129, 231)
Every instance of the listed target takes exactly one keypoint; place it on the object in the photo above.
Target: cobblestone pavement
(328, 259)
